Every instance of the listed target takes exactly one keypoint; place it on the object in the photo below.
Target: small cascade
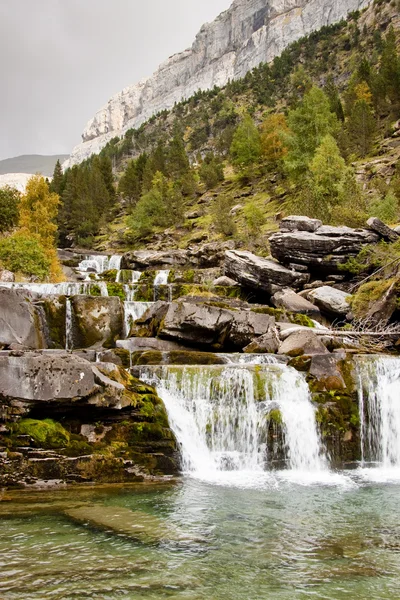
(161, 279)
(379, 402)
(130, 288)
(133, 311)
(220, 416)
(67, 288)
(98, 263)
(69, 342)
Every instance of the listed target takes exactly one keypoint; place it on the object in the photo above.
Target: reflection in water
(284, 542)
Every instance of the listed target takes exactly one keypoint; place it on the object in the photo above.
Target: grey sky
(61, 60)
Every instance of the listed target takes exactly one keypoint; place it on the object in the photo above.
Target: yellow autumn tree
(273, 130)
(38, 210)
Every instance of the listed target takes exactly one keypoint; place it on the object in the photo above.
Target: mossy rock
(175, 357)
(284, 316)
(110, 275)
(45, 433)
(116, 289)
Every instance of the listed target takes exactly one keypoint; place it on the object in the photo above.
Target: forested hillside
(316, 132)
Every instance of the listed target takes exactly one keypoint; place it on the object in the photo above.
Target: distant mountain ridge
(31, 163)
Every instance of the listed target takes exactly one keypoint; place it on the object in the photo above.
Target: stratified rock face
(250, 32)
(325, 250)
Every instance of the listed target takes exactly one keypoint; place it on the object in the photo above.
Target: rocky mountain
(248, 33)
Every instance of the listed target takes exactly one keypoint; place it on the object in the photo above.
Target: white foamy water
(220, 418)
(69, 342)
(161, 279)
(133, 311)
(98, 263)
(67, 288)
(379, 403)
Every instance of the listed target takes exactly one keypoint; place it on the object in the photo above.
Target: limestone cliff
(248, 33)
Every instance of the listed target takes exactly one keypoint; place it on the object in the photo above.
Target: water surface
(200, 540)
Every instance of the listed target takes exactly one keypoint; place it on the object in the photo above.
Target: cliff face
(250, 32)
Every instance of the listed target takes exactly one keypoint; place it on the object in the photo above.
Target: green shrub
(23, 254)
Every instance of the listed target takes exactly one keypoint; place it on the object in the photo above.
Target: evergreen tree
(246, 144)
(105, 166)
(335, 102)
(57, 183)
(390, 68)
(361, 123)
(211, 171)
(178, 162)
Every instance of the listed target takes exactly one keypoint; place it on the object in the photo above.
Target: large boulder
(138, 260)
(20, 321)
(332, 302)
(198, 324)
(260, 273)
(324, 250)
(289, 300)
(302, 342)
(297, 223)
(383, 230)
(265, 344)
(96, 321)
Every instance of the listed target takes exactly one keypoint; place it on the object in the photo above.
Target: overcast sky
(61, 60)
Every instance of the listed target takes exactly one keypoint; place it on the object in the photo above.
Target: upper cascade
(240, 38)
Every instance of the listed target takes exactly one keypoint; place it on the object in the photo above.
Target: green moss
(110, 275)
(148, 357)
(124, 355)
(275, 416)
(45, 434)
(95, 291)
(369, 293)
(284, 316)
(116, 289)
(78, 448)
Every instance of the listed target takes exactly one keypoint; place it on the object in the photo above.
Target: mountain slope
(31, 163)
(250, 32)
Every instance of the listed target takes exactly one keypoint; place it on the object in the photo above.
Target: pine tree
(57, 183)
(361, 123)
(178, 162)
(335, 102)
(390, 68)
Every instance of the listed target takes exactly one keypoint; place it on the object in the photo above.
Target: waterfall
(133, 311)
(379, 401)
(68, 288)
(69, 342)
(98, 263)
(220, 416)
(160, 279)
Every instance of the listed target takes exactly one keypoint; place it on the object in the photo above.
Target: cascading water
(379, 402)
(68, 288)
(69, 341)
(133, 311)
(220, 416)
(98, 263)
(161, 279)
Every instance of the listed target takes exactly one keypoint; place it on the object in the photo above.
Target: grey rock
(225, 282)
(322, 251)
(7, 276)
(209, 255)
(289, 300)
(331, 301)
(20, 322)
(136, 344)
(46, 377)
(295, 223)
(97, 321)
(302, 342)
(143, 259)
(325, 373)
(382, 229)
(260, 273)
(265, 344)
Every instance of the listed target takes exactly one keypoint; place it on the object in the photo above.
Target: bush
(23, 254)
(386, 210)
